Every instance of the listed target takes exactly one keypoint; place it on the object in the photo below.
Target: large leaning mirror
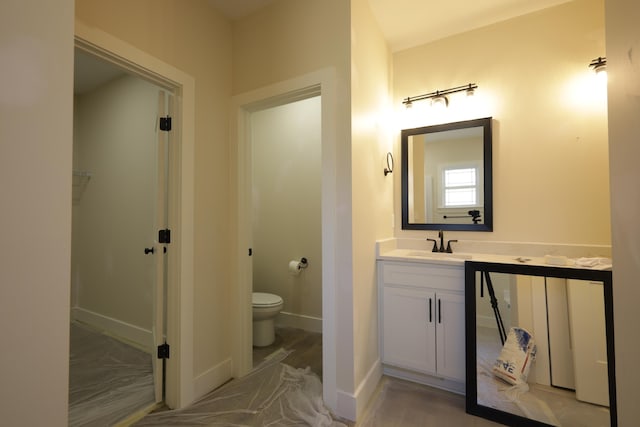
(446, 177)
(539, 345)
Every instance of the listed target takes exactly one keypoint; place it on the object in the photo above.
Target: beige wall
(193, 38)
(372, 191)
(550, 124)
(36, 53)
(623, 44)
(285, 147)
(115, 140)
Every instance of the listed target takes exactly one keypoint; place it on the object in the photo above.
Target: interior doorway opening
(179, 176)
(316, 84)
(118, 286)
(286, 170)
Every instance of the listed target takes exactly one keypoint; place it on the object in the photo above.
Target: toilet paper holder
(303, 263)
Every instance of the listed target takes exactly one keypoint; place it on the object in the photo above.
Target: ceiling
(404, 23)
(409, 23)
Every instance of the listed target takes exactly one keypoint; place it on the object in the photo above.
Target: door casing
(319, 83)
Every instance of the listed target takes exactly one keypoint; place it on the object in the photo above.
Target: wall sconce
(599, 64)
(439, 97)
(389, 168)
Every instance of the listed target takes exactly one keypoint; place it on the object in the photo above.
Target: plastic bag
(515, 359)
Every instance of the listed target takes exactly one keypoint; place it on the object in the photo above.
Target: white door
(160, 247)
(409, 329)
(589, 339)
(450, 335)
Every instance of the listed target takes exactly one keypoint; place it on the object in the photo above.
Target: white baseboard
(138, 336)
(212, 378)
(352, 406)
(457, 387)
(486, 322)
(299, 321)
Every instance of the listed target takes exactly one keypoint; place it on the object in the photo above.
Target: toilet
(265, 309)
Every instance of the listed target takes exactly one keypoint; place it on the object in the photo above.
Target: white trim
(426, 379)
(323, 83)
(142, 338)
(180, 379)
(299, 321)
(212, 378)
(352, 406)
(489, 322)
(367, 387)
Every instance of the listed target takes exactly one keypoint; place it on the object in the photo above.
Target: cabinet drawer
(435, 276)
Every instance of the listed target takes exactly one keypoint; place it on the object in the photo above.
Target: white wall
(623, 45)
(550, 125)
(286, 152)
(36, 53)
(115, 140)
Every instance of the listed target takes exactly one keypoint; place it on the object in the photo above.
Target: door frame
(319, 83)
(179, 317)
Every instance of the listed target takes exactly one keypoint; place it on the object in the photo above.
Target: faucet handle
(435, 245)
(449, 251)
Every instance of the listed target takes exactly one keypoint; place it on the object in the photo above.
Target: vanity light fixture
(440, 101)
(599, 64)
(440, 96)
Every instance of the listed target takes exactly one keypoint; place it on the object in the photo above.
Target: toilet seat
(261, 299)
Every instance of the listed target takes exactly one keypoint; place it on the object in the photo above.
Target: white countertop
(387, 253)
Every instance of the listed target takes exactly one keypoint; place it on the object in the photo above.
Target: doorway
(118, 265)
(286, 173)
(320, 83)
(179, 377)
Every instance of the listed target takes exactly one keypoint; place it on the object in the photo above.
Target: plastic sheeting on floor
(550, 405)
(108, 379)
(273, 394)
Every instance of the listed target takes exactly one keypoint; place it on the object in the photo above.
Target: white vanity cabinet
(422, 322)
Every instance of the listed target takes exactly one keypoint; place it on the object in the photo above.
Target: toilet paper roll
(294, 267)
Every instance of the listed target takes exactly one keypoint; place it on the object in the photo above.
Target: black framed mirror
(568, 314)
(447, 176)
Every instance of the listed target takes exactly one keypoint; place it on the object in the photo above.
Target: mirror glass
(549, 365)
(446, 176)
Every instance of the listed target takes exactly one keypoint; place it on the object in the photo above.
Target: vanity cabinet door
(409, 329)
(450, 335)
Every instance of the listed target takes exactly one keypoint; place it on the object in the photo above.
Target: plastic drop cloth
(546, 404)
(108, 379)
(273, 394)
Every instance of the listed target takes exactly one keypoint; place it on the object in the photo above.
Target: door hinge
(164, 236)
(165, 123)
(163, 351)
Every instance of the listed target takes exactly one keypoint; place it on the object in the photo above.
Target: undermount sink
(438, 255)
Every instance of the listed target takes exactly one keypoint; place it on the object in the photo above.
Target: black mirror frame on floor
(473, 267)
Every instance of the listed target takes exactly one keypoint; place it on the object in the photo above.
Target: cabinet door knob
(429, 310)
(439, 311)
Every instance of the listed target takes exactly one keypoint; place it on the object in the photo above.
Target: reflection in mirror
(562, 378)
(446, 176)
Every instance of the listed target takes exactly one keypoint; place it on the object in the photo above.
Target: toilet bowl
(265, 309)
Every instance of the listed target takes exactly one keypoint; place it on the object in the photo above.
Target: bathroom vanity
(437, 328)
(422, 319)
